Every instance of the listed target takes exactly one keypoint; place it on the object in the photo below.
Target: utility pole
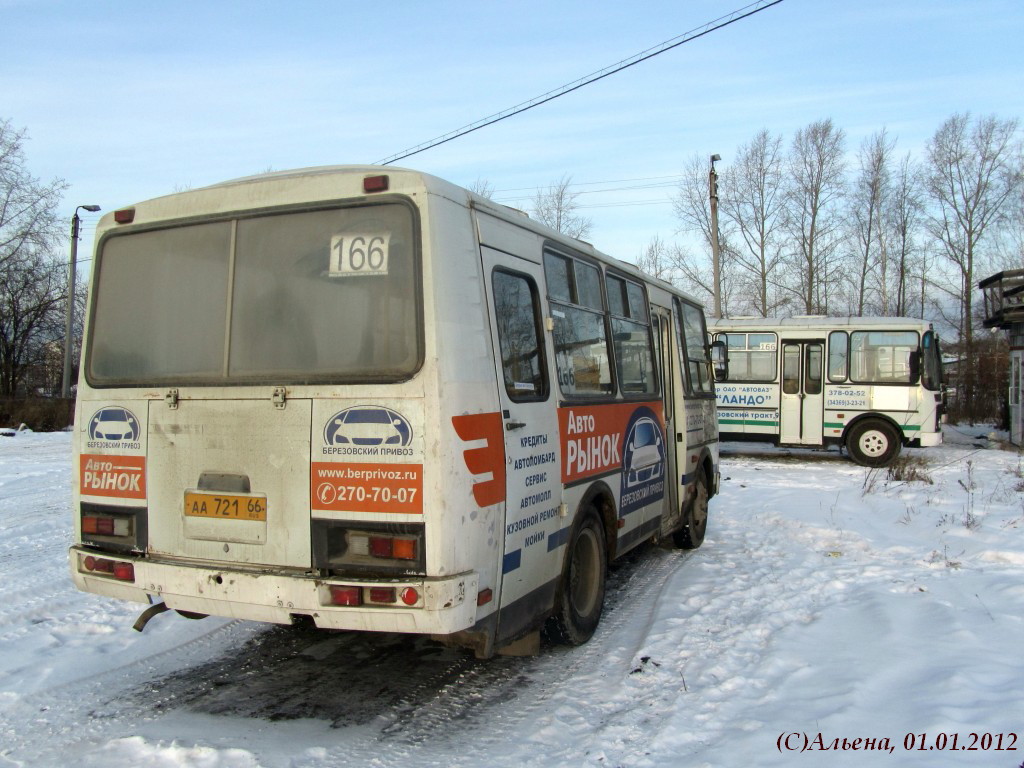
(65, 385)
(716, 257)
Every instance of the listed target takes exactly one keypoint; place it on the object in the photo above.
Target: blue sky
(127, 101)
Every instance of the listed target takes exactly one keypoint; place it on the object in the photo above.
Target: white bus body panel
(495, 483)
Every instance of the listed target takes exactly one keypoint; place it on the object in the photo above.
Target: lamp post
(65, 386)
(716, 260)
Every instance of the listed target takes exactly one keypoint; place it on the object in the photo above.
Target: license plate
(225, 506)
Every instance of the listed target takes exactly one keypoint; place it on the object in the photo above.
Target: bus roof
(817, 322)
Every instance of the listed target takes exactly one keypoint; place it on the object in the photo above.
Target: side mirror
(720, 360)
(915, 366)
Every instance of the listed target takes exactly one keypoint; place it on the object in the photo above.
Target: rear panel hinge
(280, 398)
(171, 398)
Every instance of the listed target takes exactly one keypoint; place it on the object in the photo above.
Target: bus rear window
(316, 295)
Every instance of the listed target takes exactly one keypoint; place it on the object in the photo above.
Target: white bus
(365, 397)
(867, 384)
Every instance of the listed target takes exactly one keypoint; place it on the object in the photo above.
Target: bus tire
(873, 443)
(580, 598)
(695, 518)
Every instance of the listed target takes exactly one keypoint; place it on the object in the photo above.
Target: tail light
(102, 566)
(102, 525)
(389, 547)
(352, 596)
(344, 548)
(108, 528)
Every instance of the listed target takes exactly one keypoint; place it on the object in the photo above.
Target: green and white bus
(867, 384)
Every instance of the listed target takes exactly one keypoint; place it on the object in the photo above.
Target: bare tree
(556, 207)
(868, 200)
(752, 198)
(903, 218)
(655, 259)
(974, 173)
(31, 288)
(31, 299)
(816, 186)
(28, 208)
(483, 188)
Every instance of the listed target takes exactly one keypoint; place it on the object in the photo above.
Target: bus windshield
(290, 297)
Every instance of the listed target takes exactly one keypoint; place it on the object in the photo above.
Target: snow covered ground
(828, 603)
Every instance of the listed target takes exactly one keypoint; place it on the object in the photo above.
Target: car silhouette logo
(114, 424)
(644, 454)
(368, 425)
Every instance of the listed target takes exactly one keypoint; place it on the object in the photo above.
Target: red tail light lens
(124, 571)
(410, 596)
(380, 546)
(352, 596)
(383, 595)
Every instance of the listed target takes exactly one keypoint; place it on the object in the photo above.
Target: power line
(675, 42)
(674, 177)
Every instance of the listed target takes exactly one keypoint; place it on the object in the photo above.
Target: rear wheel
(873, 443)
(581, 596)
(695, 518)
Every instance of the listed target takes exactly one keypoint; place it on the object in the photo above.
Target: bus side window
(838, 354)
(582, 359)
(695, 347)
(812, 368)
(517, 316)
(791, 369)
(631, 336)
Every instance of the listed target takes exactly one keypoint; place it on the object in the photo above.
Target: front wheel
(873, 443)
(695, 518)
(581, 595)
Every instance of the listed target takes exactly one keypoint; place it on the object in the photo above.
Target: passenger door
(802, 402)
(532, 473)
(662, 326)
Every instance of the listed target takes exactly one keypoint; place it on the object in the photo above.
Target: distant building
(1004, 308)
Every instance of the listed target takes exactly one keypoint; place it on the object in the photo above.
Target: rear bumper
(445, 605)
(930, 439)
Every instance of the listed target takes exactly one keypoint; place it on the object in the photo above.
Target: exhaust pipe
(149, 613)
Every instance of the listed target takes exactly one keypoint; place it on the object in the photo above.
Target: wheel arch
(600, 498)
(707, 465)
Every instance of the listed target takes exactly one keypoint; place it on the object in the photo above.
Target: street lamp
(65, 387)
(716, 261)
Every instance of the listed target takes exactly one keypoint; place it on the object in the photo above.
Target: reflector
(382, 595)
(410, 596)
(375, 184)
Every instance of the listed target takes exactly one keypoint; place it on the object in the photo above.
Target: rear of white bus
(253, 419)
